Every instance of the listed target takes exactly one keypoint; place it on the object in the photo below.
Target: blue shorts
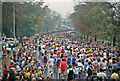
(76, 75)
(68, 62)
(45, 61)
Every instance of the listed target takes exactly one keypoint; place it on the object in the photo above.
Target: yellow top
(28, 75)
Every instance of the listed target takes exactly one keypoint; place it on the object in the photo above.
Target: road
(46, 72)
(55, 75)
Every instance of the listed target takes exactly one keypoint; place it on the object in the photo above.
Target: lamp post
(0, 30)
(14, 20)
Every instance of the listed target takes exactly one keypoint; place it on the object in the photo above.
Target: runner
(77, 71)
(81, 67)
(95, 64)
(69, 60)
(89, 71)
(115, 76)
(104, 65)
(51, 64)
(63, 67)
(58, 63)
(70, 73)
(45, 58)
(101, 75)
(66, 48)
(73, 60)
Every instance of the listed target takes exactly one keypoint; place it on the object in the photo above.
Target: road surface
(55, 75)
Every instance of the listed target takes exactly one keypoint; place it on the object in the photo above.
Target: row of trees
(99, 20)
(30, 18)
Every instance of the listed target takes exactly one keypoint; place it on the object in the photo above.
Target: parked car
(10, 42)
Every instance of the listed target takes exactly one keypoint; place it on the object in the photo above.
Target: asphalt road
(55, 74)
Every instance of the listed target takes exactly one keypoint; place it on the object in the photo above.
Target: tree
(100, 19)
(30, 18)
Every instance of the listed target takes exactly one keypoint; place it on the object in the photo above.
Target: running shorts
(76, 75)
(95, 67)
(63, 69)
(45, 61)
(58, 64)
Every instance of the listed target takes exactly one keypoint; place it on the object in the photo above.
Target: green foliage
(97, 19)
(30, 18)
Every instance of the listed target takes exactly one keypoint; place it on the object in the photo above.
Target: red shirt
(91, 46)
(93, 55)
(4, 51)
(59, 47)
(63, 66)
(83, 52)
(64, 58)
(11, 66)
(19, 52)
(89, 40)
(46, 45)
(18, 37)
(5, 70)
(87, 46)
(58, 53)
(90, 59)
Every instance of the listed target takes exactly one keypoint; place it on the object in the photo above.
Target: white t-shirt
(51, 61)
(95, 63)
(87, 59)
(18, 68)
(99, 64)
(101, 59)
(110, 61)
(43, 51)
(104, 55)
(80, 65)
(104, 65)
(101, 74)
(81, 55)
(70, 69)
(76, 69)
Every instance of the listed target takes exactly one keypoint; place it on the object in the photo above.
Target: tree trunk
(114, 40)
(95, 38)
(119, 44)
(84, 37)
(81, 37)
(111, 40)
(87, 38)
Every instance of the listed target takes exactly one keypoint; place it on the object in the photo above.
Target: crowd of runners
(71, 56)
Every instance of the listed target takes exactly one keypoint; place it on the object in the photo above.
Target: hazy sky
(64, 7)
